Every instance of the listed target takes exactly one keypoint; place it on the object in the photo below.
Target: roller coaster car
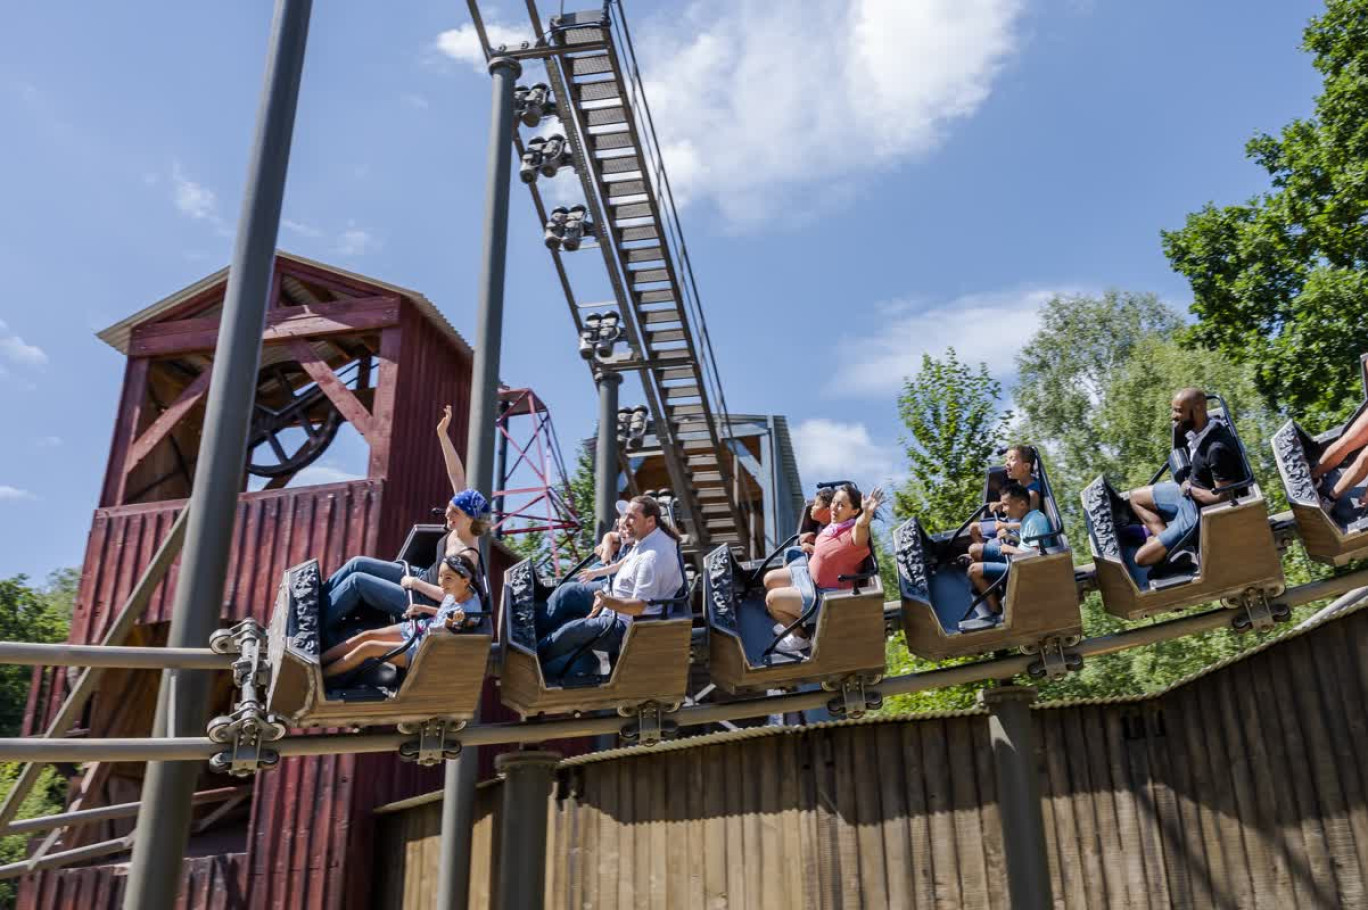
(444, 679)
(651, 666)
(847, 626)
(1039, 595)
(1335, 535)
(1229, 553)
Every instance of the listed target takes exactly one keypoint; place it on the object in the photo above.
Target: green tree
(26, 614)
(1064, 370)
(46, 798)
(954, 424)
(582, 499)
(1279, 282)
(60, 591)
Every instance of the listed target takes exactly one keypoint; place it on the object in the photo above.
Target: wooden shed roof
(119, 335)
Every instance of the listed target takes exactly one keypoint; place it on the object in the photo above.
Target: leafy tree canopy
(1064, 371)
(1279, 281)
(954, 425)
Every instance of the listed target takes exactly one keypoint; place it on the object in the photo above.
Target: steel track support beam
(164, 823)
(458, 794)
(527, 781)
(606, 454)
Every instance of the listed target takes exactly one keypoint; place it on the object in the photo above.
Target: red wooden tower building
(338, 349)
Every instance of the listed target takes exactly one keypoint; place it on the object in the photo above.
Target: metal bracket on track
(432, 745)
(856, 697)
(1054, 659)
(650, 724)
(1255, 613)
(249, 729)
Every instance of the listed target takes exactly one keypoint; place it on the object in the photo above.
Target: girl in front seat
(459, 611)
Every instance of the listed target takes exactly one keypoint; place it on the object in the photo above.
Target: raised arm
(860, 533)
(455, 470)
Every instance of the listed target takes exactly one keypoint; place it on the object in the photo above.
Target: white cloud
(988, 328)
(17, 351)
(355, 242)
(48, 442)
(323, 473)
(301, 228)
(196, 201)
(415, 101)
(832, 450)
(463, 43)
(757, 128)
(14, 493)
(27, 92)
(191, 198)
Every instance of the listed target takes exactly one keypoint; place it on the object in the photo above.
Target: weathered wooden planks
(1241, 789)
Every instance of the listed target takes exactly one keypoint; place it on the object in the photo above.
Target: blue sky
(863, 182)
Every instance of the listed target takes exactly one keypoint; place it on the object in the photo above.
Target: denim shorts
(1179, 512)
(992, 571)
(992, 552)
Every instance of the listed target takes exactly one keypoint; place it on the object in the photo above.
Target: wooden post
(1018, 790)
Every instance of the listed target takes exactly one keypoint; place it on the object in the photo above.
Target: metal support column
(606, 455)
(164, 823)
(1018, 787)
(528, 777)
(501, 466)
(458, 799)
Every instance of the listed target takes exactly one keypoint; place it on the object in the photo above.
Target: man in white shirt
(652, 571)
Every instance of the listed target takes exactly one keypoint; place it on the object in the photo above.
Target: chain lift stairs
(595, 92)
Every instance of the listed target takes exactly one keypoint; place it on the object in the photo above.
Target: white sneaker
(793, 643)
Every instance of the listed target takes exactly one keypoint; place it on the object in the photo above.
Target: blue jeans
(572, 600)
(1179, 512)
(363, 581)
(603, 632)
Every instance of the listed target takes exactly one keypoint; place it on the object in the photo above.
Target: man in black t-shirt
(1171, 509)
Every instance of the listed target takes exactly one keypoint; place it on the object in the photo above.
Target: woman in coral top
(839, 550)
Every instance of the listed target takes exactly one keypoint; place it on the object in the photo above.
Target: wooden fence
(1244, 788)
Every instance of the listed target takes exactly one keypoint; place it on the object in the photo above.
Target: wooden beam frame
(382, 405)
(166, 421)
(125, 429)
(186, 336)
(334, 388)
(322, 277)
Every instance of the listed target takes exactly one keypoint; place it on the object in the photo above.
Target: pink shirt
(835, 554)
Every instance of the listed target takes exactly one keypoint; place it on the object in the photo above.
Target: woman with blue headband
(383, 585)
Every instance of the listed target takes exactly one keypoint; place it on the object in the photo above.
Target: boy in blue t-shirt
(988, 564)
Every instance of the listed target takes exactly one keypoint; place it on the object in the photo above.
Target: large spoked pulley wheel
(287, 400)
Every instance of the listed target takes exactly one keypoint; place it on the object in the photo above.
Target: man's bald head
(1189, 410)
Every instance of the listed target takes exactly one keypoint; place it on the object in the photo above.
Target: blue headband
(471, 502)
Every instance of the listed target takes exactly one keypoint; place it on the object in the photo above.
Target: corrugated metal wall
(275, 530)
(209, 882)
(1244, 788)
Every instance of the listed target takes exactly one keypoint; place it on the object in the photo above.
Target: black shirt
(1216, 460)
